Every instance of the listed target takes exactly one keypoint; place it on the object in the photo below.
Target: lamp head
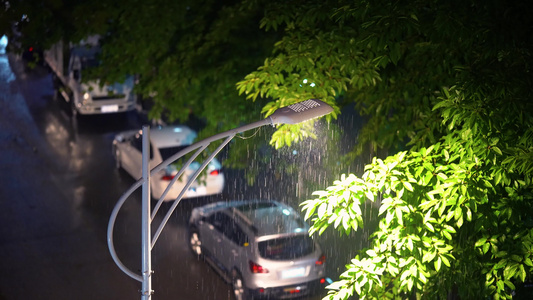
(300, 112)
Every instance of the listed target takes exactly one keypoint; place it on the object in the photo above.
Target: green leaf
(458, 213)
(383, 208)
(356, 209)
(445, 260)
(389, 217)
(510, 271)
(522, 273)
(446, 155)
(322, 210)
(528, 262)
(407, 185)
(338, 220)
(460, 222)
(446, 234)
(438, 263)
(486, 248)
(500, 285)
(510, 284)
(428, 256)
(428, 176)
(309, 211)
(442, 176)
(369, 195)
(399, 215)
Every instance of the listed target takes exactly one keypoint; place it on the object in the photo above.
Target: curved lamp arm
(293, 114)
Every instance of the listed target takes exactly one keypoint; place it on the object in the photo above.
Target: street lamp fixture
(293, 114)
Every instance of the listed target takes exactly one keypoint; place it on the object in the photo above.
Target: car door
(219, 238)
(211, 233)
(132, 156)
(233, 242)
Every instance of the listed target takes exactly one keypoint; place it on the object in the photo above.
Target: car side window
(238, 236)
(217, 222)
(137, 143)
(226, 225)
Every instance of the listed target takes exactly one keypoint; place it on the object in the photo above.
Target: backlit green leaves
(422, 217)
(457, 205)
(338, 205)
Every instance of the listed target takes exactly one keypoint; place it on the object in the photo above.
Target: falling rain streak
(84, 172)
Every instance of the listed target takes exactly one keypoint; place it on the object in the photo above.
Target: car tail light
(167, 177)
(255, 268)
(321, 260)
(295, 290)
(214, 172)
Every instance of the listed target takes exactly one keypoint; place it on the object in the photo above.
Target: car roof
(265, 217)
(171, 136)
(85, 51)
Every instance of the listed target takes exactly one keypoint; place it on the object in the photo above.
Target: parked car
(262, 248)
(166, 141)
(33, 55)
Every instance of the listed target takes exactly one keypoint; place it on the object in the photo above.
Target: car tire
(195, 244)
(240, 292)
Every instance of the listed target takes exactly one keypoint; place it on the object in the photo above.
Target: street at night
(305, 150)
(59, 186)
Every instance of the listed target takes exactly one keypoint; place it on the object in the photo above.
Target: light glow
(256, 269)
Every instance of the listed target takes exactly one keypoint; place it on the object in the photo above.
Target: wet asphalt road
(58, 188)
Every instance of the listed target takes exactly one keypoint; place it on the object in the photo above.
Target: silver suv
(261, 247)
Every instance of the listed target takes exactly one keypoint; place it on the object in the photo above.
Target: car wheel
(239, 289)
(195, 244)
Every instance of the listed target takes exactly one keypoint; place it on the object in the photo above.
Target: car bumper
(99, 108)
(214, 186)
(290, 291)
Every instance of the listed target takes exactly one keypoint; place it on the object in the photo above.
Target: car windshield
(169, 151)
(287, 247)
(89, 63)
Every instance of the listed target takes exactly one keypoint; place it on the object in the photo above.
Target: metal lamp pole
(293, 114)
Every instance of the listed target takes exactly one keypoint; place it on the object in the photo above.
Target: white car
(165, 142)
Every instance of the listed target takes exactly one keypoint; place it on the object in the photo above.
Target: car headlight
(86, 97)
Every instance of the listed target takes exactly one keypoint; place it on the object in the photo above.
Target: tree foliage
(187, 55)
(456, 208)
(450, 79)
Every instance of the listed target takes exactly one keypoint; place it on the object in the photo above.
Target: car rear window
(287, 247)
(169, 151)
(246, 207)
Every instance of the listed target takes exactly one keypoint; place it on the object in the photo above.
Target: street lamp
(293, 114)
